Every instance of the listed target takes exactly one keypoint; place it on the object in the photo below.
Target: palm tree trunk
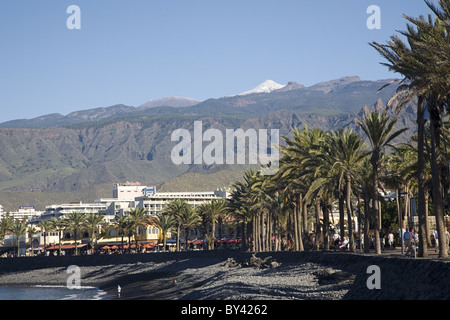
(263, 231)
(375, 164)
(305, 224)
(213, 227)
(299, 224)
(136, 239)
(59, 241)
(45, 243)
(400, 219)
(318, 231)
(326, 224)
(359, 222)
(268, 242)
(243, 235)
(422, 212)
(178, 237)
(407, 210)
(341, 216)
(18, 245)
(427, 220)
(75, 234)
(164, 241)
(253, 236)
(257, 233)
(186, 234)
(349, 212)
(366, 221)
(436, 179)
(295, 221)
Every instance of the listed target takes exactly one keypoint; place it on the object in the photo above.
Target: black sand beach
(208, 276)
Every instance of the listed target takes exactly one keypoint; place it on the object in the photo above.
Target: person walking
(407, 237)
(382, 240)
(436, 240)
(119, 289)
(391, 240)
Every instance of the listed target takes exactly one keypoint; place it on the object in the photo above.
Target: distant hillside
(197, 182)
(75, 161)
(176, 102)
(341, 96)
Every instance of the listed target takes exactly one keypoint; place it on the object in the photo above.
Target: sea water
(52, 293)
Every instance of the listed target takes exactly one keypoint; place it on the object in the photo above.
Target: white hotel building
(127, 197)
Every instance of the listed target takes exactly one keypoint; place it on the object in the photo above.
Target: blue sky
(132, 51)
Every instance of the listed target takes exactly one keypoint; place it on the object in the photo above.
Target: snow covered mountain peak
(265, 87)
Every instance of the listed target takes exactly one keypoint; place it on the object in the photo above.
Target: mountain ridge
(292, 95)
(104, 148)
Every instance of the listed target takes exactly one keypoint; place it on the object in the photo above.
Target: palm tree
(402, 59)
(365, 188)
(210, 213)
(165, 222)
(6, 224)
(31, 232)
(125, 227)
(302, 163)
(92, 223)
(379, 129)
(59, 225)
(189, 219)
(176, 208)
(426, 65)
(18, 229)
(75, 222)
(346, 155)
(45, 227)
(139, 218)
(237, 207)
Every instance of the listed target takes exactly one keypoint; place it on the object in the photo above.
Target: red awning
(67, 246)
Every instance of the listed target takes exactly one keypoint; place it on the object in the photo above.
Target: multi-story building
(58, 211)
(126, 197)
(155, 203)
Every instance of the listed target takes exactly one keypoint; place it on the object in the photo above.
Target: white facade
(57, 211)
(25, 213)
(128, 192)
(155, 204)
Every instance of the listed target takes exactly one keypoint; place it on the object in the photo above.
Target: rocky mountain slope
(102, 146)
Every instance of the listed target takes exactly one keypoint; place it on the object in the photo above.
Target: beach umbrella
(114, 247)
(106, 247)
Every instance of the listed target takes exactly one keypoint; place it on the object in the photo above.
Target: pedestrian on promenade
(382, 240)
(119, 289)
(436, 240)
(407, 237)
(391, 240)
